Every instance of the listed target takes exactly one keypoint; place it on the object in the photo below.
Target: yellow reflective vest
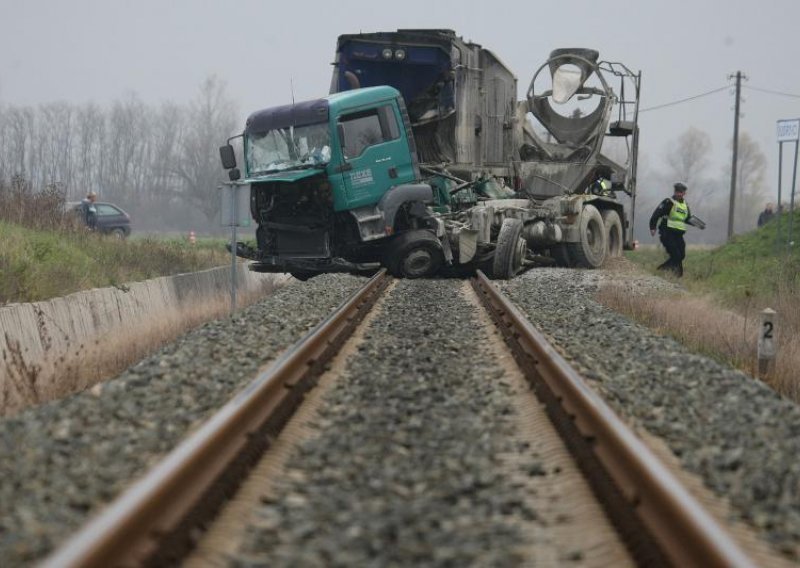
(678, 215)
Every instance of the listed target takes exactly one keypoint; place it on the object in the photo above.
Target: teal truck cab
(334, 187)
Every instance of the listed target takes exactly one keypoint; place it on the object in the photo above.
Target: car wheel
(118, 233)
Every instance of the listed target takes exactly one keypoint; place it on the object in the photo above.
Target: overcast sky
(100, 50)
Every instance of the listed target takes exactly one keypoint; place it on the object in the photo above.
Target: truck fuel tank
(540, 234)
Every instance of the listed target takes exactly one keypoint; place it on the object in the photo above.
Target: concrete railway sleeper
(405, 396)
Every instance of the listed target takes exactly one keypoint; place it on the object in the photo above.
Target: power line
(771, 92)
(686, 100)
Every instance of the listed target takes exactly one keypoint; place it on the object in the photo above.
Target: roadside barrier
(36, 338)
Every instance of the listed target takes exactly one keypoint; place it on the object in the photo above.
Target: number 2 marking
(768, 327)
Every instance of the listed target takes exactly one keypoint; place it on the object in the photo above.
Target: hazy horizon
(91, 50)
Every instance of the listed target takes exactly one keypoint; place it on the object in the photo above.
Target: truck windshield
(288, 148)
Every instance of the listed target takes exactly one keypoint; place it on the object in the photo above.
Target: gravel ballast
(425, 395)
(405, 466)
(737, 434)
(59, 463)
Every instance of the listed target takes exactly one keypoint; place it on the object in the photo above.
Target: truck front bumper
(312, 265)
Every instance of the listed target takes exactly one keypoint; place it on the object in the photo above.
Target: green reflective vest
(601, 186)
(678, 215)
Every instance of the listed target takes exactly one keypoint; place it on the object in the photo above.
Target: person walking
(672, 216)
(766, 215)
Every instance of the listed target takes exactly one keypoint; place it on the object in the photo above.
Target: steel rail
(632, 477)
(151, 522)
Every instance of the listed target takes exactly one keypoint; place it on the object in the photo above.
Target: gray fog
(102, 50)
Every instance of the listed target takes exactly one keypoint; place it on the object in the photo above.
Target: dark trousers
(676, 249)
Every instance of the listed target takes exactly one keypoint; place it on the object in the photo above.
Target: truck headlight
(387, 53)
(400, 54)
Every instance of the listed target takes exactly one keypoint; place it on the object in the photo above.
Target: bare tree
(5, 170)
(144, 157)
(751, 169)
(54, 144)
(167, 133)
(19, 133)
(209, 120)
(125, 149)
(90, 134)
(688, 159)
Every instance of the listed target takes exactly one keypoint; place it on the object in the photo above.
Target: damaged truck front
(334, 188)
(444, 166)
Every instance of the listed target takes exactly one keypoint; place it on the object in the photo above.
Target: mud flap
(441, 234)
(467, 245)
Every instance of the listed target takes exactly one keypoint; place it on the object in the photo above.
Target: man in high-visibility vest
(672, 216)
(601, 186)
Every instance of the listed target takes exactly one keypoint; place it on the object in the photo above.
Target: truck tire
(510, 250)
(613, 225)
(414, 254)
(591, 250)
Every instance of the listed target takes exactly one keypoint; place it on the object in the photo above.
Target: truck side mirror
(227, 156)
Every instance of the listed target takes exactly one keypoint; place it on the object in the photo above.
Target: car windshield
(288, 148)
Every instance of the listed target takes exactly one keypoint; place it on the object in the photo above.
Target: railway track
(156, 520)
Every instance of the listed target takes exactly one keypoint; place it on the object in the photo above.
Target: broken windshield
(288, 148)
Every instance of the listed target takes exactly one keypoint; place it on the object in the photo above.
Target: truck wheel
(510, 251)
(613, 226)
(414, 254)
(591, 250)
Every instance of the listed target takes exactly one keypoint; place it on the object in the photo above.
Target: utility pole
(732, 205)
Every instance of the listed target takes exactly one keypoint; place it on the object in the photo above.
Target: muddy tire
(592, 249)
(414, 254)
(614, 235)
(510, 250)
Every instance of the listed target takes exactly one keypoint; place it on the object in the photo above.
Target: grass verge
(726, 289)
(702, 325)
(38, 264)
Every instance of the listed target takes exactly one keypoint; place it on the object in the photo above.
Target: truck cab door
(375, 153)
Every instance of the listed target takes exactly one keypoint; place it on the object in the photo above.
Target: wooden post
(732, 203)
(767, 344)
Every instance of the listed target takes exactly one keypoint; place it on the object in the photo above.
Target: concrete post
(767, 344)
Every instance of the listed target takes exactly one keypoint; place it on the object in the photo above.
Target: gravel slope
(61, 461)
(736, 433)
